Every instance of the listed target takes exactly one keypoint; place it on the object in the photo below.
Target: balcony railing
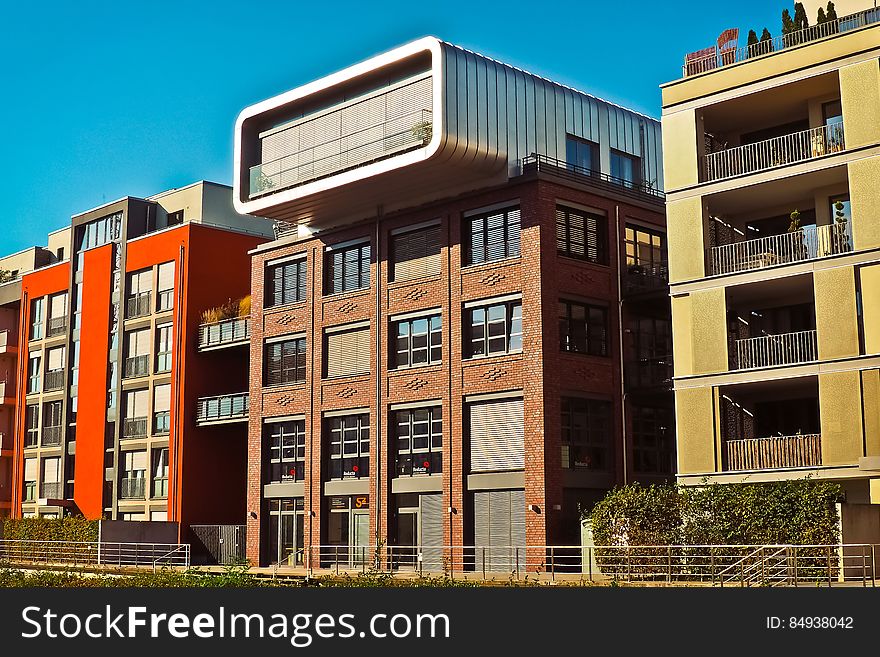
(225, 332)
(646, 278)
(136, 366)
(160, 487)
(138, 305)
(51, 490)
(649, 373)
(776, 350)
(51, 436)
(7, 339)
(713, 57)
(538, 162)
(134, 427)
(374, 142)
(161, 422)
(132, 488)
(54, 380)
(775, 452)
(803, 244)
(223, 408)
(56, 326)
(774, 152)
(164, 300)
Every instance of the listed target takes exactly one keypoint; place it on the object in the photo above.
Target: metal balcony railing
(138, 305)
(81, 553)
(51, 436)
(54, 380)
(538, 162)
(354, 149)
(653, 372)
(803, 244)
(774, 152)
(51, 490)
(713, 57)
(161, 422)
(132, 488)
(776, 350)
(225, 332)
(222, 408)
(136, 366)
(164, 300)
(134, 427)
(774, 452)
(160, 487)
(645, 278)
(56, 326)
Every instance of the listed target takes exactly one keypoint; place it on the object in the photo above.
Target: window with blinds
(137, 403)
(497, 435)
(55, 359)
(492, 236)
(287, 450)
(347, 269)
(347, 352)
(165, 285)
(582, 235)
(583, 328)
(586, 434)
(285, 283)
(51, 470)
(285, 361)
(140, 282)
(416, 254)
(138, 343)
(58, 305)
(134, 464)
(162, 408)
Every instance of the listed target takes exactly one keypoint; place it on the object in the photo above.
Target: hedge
(69, 528)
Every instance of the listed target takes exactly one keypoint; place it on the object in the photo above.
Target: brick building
(468, 257)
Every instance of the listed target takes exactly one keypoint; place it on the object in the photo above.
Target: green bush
(69, 528)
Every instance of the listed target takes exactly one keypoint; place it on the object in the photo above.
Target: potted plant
(423, 131)
(839, 235)
(799, 246)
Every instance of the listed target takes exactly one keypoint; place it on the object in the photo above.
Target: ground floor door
(286, 532)
(499, 530)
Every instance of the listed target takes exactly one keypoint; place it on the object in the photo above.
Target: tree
(821, 18)
(5, 276)
(800, 17)
(787, 27)
(830, 12)
(753, 39)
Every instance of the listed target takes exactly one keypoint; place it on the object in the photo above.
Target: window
(53, 424)
(626, 169)
(38, 314)
(581, 154)
(33, 373)
(54, 377)
(140, 286)
(162, 408)
(419, 341)
(492, 236)
(50, 484)
(165, 287)
(286, 361)
(30, 480)
(164, 347)
(348, 268)
(175, 218)
(495, 329)
(582, 235)
(349, 446)
(133, 475)
(57, 323)
(136, 412)
(348, 352)
(96, 233)
(586, 434)
(419, 441)
(287, 450)
(32, 426)
(137, 353)
(416, 254)
(653, 440)
(160, 472)
(286, 282)
(583, 328)
(497, 435)
(644, 247)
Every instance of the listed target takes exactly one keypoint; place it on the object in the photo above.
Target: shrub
(69, 528)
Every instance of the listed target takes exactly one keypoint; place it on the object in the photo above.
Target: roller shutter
(499, 528)
(431, 518)
(348, 352)
(497, 436)
(417, 254)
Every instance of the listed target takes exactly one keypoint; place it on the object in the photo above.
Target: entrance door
(407, 538)
(360, 534)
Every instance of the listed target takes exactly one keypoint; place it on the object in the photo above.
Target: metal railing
(132, 488)
(74, 553)
(538, 162)
(808, 243)
(774, 152)
(719, 57)
(648, 372)
(776, 350)
(56, 326)
(51, 436)
(138, 305)
(160, 487)
(164, 300)
(51, 490)
(53, 380)
(358, 148)
(134, 427)
(232, 407)
(644, 278)
(225, 332)
(136, 366)
(774, 452)
(710, 564)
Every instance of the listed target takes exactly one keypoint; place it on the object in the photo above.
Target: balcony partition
(776, 350)
(774, 452)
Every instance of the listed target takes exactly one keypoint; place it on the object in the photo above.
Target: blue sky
(106, 99)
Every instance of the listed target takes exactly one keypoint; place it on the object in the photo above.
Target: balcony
(223, 408)
(775, 152)
(134, 427)
(776, 350)
(138, 305)
(54, 380)
(537, 162)
(649, 373)
(53, 491)
(808, 243)
(56, 326)
(776, 452)
(225, 333)
(51, 436)
(135, 366)
(646, 278)
(8, 340)
(132, 488)
(713, 57)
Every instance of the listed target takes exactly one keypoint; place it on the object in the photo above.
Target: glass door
(407, 538)
(360, 538)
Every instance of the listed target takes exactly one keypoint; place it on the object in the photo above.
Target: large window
(165, 288)
(492, 236)
(29, 490)
(285, 282)
(140, 286)
(54, 378)
(38, 318)
(581, 154)
(583, 328)
(286, 361)
(96, 233)
(287, 450)
(57, 314)
(349, 446)
(419, 341)
(626, 169)
(133, 475)
(494, 329)
(348, 352)
(582, 235)
(50, 485)
(134, 423)
(53, 424)
(160, 472)
(416, 254)
(644, 247)
(348, 269)
(34, 360)
(162, 409)
(164, 347)
(32, 426)
(586, 434)
(419, 441)
(137, 353)
(653, 440)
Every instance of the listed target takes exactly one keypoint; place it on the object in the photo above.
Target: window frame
(430, 346)
(432, 454)
(271, 281)
(279, 442)
(512, 248)
(510, 319)
(361, 456)
(363, 261)
(663, 453)
(600, 234)
(593, 411)
(298, 356)
(568, 337)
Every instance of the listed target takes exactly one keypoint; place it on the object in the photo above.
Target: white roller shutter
(162, 398)
(431, 539)
(497, 436)
(58, 305)
(166, 276)
(348, 352)
(55, 359)
(499, 529)
(417, 254)
(30, 469)
(52, 470)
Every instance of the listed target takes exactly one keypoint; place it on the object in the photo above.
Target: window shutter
(518, 517)
(431, 512)
(497, 436)
(162, 398)
(348, 352)
(56, 358)
(51, 470)
(30, 469)
(139, 461)
(141, 341)
(499, 527)
(58, 306)
(481, 518)
(417, 254)
(561, 230)
(166, 276)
